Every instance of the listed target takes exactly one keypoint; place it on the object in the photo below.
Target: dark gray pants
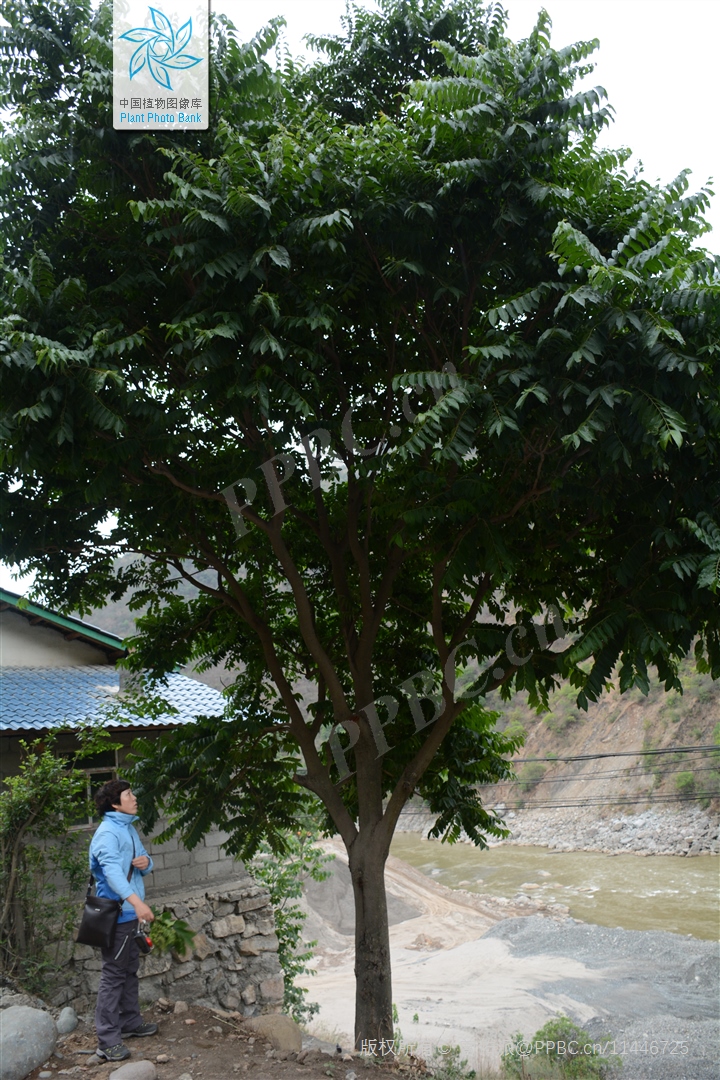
(118, 1006)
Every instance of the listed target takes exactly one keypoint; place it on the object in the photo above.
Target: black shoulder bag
(100, 916)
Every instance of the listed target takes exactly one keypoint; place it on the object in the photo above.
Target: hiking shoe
(138, 1032)
(113, 1053)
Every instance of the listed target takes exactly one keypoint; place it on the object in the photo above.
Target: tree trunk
(19, 939)
(373, 998)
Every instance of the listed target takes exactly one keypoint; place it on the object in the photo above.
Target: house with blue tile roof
(60, 671)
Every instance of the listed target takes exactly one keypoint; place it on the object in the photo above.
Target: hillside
(630, 725)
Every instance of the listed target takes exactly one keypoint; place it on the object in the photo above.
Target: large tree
(406, 390)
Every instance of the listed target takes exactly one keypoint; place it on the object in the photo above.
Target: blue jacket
(111, 853)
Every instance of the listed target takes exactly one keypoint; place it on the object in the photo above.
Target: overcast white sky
(657, 61)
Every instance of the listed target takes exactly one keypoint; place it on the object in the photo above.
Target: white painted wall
(25, 645)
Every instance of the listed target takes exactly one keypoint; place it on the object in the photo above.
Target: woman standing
(119, 862)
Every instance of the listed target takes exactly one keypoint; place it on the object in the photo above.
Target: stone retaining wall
(233, 964)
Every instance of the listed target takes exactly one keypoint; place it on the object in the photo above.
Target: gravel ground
(657, 1000)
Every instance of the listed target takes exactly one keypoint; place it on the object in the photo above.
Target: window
(98, 769)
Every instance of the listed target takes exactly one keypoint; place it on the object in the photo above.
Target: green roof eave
(64, 622)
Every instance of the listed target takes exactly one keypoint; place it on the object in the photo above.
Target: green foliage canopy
(500, 349)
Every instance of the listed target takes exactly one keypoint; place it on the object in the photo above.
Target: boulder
(67, 1021)
(281, 1032)
(27, 1039)
(154, 965)
(10, 997)
(272, 989)
(135, 1070)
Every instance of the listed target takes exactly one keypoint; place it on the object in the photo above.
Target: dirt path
(203, 1044)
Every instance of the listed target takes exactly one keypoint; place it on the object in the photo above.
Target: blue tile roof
(41, 698)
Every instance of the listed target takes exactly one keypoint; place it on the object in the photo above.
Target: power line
(623, 753)
(619, 800)
(627, 774)
(631, 773)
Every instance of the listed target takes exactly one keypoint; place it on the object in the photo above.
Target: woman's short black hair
(108, 796)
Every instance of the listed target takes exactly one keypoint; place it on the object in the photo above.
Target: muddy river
(660, 892)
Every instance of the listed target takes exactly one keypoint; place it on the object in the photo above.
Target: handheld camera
(142, 938)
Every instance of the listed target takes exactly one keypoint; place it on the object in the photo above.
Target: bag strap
(91, 882)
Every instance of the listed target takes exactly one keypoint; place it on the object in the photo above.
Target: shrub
(446, 1065)
(715, 754)
(514, 730)
(42, 864)
(284, 878)
(707, 690)
(530, 775)
(560, 722)
(685, 783)
(559, 1049)
(711, 788)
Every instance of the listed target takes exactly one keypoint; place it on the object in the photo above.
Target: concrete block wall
(174, 865)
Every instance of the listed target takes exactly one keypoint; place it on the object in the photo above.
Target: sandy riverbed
(474, 971)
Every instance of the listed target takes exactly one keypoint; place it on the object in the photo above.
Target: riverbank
(688, 831)
(468, 971)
